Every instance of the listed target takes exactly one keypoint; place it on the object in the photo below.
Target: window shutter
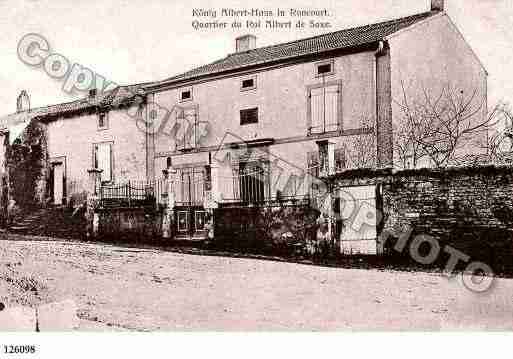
(325, 107)
(331, 109)
(103, 160)
(317, 110)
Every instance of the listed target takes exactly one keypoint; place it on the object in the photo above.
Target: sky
(146, 40)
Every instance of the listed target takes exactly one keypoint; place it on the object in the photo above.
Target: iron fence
(133, 194)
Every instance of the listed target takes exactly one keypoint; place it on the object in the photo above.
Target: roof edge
(161, 86)
(172, 81)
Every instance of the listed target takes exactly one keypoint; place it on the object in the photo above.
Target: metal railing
(133, 194)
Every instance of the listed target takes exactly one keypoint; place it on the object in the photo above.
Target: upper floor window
(324, 107)
(248, 84)
(186, 94)
(103, 122)
(324, 68)
(188, 133)
(249, 116)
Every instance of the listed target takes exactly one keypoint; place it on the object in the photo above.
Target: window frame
(251, 193)
(339, 115)
(249, 109)
(340, 159)
(187, 146)
(95, 159)
(330, 62)
(253, 78)
(181, 91)
(105, 116)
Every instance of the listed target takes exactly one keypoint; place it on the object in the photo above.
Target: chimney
(92, 93)
(437, 5)
(23, 102)
(245, 43)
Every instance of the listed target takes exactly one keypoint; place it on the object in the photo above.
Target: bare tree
(434, 128)
(499, 137)
(361, 150)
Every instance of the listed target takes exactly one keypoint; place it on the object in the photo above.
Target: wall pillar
(169, 211)
(212, 199)
(93, 199)
(325, 234)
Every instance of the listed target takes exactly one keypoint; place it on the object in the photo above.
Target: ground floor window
(190, 185)
(253, 182)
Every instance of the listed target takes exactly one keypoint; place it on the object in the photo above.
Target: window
(318, 161)
(186, 94)
(324, 162)
(103, 121)
(199, 220)
(324, 108)
(249, 116)
(103, 160)
(183, 223)
(253, 182)
(340, 159)
(248, 84)
(325, 68)
(313, 161)
(188, 134)
(190, 185)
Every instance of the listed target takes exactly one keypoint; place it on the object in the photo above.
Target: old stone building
(263, 122)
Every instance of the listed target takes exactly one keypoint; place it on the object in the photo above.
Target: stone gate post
(212, 199)
(169, 211)
(93, 199)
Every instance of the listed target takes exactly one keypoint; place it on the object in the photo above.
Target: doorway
(58, 183)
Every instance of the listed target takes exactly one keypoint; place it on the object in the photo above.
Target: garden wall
(136, 224)
(468, 208)
(278, 229)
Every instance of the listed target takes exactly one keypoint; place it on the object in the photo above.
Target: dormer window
(325, 68)
(248, 84)
(103, 122)
(186, 94)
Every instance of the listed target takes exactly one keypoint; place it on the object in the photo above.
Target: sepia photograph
(255, 166)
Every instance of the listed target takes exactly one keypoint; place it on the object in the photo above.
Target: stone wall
(278, 229)
(470, 209)
(135, 224)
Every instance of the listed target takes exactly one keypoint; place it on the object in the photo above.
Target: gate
(190, 214)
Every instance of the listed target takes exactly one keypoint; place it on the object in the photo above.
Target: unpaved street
(140, 289)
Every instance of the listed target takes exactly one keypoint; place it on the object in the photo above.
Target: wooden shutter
(331, 107)
(104, 160)
(317, 110)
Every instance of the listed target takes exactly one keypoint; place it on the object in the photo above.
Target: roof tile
(335, 40)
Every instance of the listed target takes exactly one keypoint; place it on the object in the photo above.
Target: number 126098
(19, 349)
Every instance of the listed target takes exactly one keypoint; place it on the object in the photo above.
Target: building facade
(264, 123)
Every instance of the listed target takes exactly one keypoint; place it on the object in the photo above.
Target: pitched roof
(115, 97)
(343, 39)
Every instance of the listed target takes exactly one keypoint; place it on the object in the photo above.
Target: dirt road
(140, 289)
